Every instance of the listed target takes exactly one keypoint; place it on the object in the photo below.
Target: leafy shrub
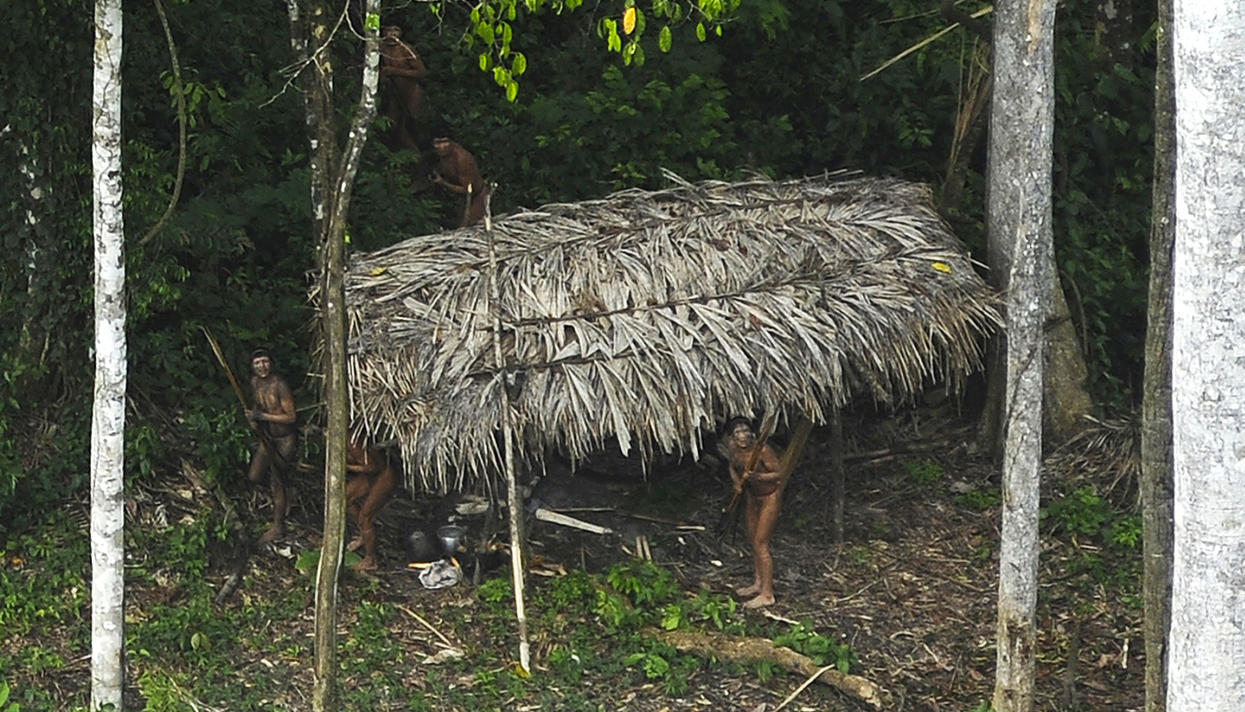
(803, 638)
(1081, 512)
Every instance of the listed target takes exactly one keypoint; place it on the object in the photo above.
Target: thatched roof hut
(647, 317)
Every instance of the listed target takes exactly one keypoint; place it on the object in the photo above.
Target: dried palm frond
(1106, 454)
(645, 317)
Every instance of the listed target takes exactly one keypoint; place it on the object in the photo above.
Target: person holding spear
(273, 418)
(759, 473)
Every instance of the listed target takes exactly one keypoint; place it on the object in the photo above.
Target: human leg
(278, 471)
(356, 489)
(767, 520)
(752, 512)
(377, 495)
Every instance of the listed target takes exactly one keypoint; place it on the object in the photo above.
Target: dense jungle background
(779, 92)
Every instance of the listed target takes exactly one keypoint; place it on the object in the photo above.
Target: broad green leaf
(512, 91)
(700, 31)
(484, 61)
(664, 39)
(519, 66)
(372, 22)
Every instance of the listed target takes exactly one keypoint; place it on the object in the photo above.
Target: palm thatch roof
(645, 317)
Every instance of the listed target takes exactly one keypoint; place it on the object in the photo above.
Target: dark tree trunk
(1156, 407)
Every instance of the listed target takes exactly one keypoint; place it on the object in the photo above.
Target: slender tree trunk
(336, 394)
(1207, 636)
(108, 417)
(1156, 407)
(1019, 213)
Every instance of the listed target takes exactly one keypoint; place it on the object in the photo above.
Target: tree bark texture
(1065, 400)
(108, 416)
(1207, 635)
(1156, 407)
(1019, 227)
(336, 393)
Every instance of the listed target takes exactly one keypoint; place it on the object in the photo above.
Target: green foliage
(659, 661)
(643, 582)
(5, 704)
(1125, 532)
(803, 638)
(979, 499)
(496, 591)
(44, 576)
(1081, 512)
(490, 33)
(923, 472)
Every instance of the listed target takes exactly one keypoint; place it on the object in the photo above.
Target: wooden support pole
(837, 480)
(514, 500)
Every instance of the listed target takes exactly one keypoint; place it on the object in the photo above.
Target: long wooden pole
(514, 501)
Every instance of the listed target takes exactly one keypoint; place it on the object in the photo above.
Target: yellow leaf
(378, 271)
(629, 20)
(942, 267)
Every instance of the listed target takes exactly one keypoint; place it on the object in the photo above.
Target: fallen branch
(743, 651)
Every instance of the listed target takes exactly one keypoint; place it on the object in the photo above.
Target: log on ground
(750, 650)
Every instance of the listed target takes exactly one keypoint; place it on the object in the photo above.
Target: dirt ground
(911, 587)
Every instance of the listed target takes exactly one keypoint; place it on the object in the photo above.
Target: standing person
(372, 479)
(274, 418)
(756, 471)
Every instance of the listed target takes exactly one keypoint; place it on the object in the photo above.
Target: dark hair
(260, 352)
(734, 423)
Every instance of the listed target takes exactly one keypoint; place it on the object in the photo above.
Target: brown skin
(762, 489)
(456, 170)
(371, 482)
(400, 71)
(274, 413)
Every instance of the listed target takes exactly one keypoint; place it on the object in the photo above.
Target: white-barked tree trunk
(1206, 664)
(1019, 210)
(108, 415)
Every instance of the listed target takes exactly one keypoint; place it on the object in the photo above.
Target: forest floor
(906, 599)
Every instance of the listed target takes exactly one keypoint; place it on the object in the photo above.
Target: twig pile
(645, 317)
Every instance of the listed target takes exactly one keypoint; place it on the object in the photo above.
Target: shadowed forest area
(906, 598)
